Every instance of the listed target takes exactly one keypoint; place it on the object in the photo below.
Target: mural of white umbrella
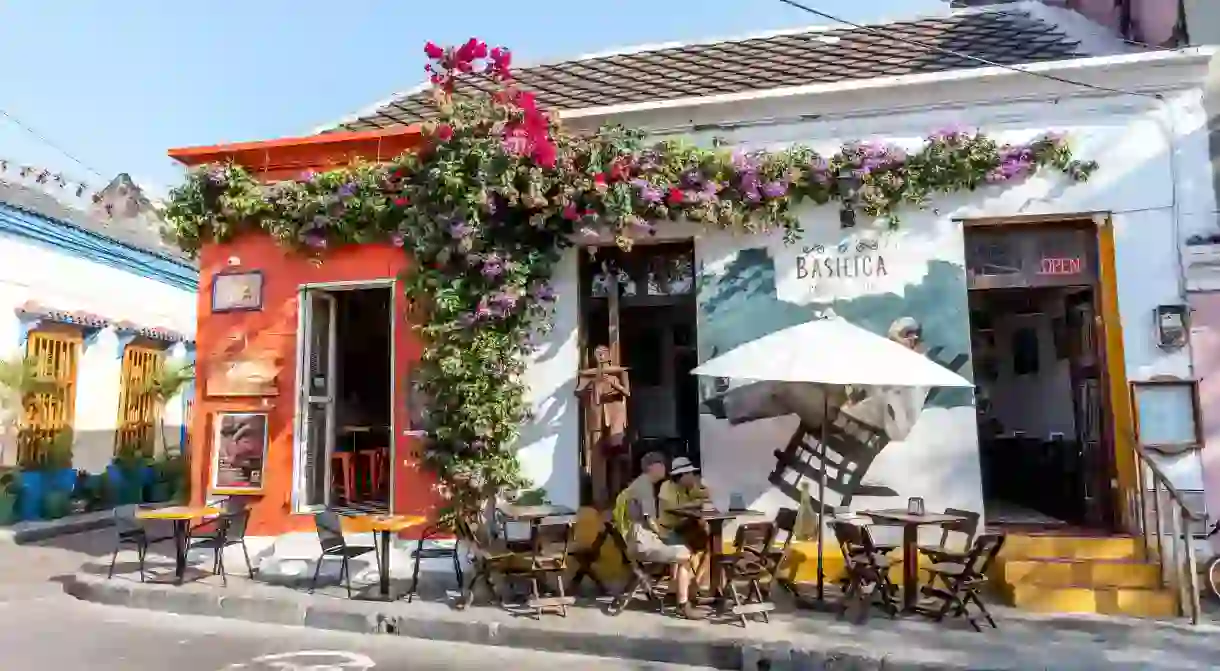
(832, 353)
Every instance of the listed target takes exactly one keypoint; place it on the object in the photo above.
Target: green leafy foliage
(499, 190)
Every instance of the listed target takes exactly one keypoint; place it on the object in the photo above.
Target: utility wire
(928, 46)
(42, 138)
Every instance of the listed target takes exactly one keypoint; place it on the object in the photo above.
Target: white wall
(1154, 178)
(64, 281)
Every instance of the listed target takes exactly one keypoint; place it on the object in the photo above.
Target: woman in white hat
(684, 488)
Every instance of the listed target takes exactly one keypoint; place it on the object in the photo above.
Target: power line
(927, 46)
(42, 138)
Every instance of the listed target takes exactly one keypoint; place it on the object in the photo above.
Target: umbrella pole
(822, 493)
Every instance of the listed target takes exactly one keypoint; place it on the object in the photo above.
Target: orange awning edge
(287, 158)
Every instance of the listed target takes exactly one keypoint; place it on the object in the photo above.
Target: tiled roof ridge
(1023, 7)
(1011, 34)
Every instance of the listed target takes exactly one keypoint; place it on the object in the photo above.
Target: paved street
(57, 632)
(41, 629)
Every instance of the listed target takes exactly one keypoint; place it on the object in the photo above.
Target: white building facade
(99, 307)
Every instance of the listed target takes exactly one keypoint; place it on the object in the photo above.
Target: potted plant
(167, 471)
(59, 478)
(166, 384)
(127, 472)
(21, 381)
(9, 488)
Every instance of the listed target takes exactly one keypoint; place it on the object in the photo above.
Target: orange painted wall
(273, 331)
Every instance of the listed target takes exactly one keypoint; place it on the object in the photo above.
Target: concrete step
(1028, 546)
(1131, 602)
(1066, 571)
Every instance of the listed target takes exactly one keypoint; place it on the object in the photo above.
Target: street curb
(664, 644)
(23, 533)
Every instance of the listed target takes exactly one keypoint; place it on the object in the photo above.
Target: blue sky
(117, 83)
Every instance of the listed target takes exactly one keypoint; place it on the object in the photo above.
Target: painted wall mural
(760, 439)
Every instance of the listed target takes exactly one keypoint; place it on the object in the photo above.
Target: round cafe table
(384, 525)
(181, 516)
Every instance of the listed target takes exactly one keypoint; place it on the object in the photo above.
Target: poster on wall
(760, 439)
(237, 291)
(239, 452)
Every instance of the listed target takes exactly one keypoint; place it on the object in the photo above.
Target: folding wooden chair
(962, 583)
(645, 575)
(943, 551)
(587, 558)
(785, 523)
(868, 570)
(750, 563)
(550, 540)
(488, 557)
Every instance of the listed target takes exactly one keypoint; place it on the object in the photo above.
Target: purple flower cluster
(493, 266)
(648, 192)
(1016, 163)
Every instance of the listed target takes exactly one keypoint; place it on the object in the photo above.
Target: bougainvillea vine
(499, 190)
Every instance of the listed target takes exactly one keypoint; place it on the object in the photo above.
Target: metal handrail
(1175, 559)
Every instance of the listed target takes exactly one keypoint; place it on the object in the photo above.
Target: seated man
(635, 515)
(684, 488)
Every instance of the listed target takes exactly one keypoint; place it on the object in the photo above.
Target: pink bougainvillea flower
(675, 196)
(402, 201)
(599, 180)
(444, 132)
(570, 213)
(434, 52)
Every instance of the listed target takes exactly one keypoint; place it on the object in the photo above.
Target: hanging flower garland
(486, 208)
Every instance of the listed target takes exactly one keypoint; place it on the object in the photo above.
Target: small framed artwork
(239, 452)
(1167, 415)
(237, 291)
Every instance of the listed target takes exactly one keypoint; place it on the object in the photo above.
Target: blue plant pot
(29, 502)
(115, 475)
(62, 480)
(147, 475)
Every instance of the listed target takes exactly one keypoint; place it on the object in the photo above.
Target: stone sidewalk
(792, 640)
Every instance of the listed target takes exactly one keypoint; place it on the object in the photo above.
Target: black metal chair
(434, 533)
(230, 529)
(129, 531)
(330, 537)
(210, 528)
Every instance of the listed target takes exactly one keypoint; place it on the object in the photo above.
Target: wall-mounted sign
(861, 259)
(1167, 415)
(1060, 266)
(247, 374)
(1029, 256)
(239, 452)
(236, 291)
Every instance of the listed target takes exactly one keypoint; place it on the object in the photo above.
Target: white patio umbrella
(829, 352)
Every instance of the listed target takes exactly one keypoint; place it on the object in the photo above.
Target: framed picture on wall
(239, 452)
(237, 291)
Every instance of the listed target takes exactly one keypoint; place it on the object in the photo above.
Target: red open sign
(1063, 266)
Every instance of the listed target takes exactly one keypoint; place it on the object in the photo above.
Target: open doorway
(638, 310)
(345, 417)
(1043, 416)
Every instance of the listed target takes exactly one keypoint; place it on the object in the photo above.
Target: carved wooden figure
(605, 389)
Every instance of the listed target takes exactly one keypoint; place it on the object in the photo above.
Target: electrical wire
(927, 46)
(43, 139)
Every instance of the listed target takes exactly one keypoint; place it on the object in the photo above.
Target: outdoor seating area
(523, 559)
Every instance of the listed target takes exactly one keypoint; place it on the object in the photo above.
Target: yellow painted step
(1151, 603)
(1062, 572)
(1019, 546)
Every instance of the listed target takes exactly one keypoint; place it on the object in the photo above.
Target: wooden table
(181, 516)
(533, 514)
(910, 545)
(715, 520)
(384, 525)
